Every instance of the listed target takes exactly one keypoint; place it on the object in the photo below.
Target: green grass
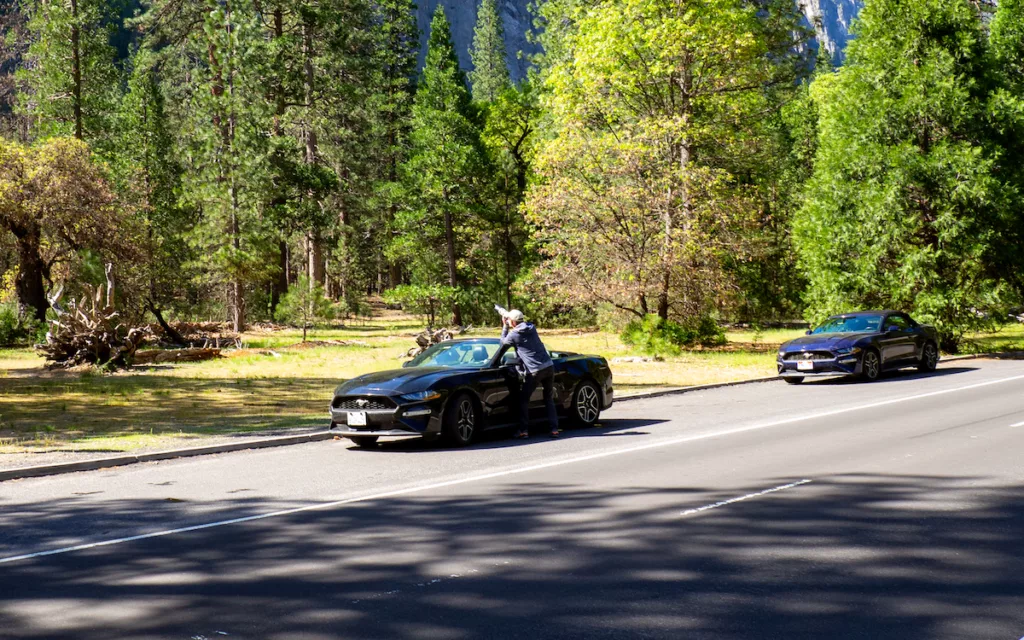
(275, 383)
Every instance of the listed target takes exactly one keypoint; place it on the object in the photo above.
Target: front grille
(363, 403)
(809, 355)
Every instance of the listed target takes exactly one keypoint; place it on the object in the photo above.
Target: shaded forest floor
(276, 384)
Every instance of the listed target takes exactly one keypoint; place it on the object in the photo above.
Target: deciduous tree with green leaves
(634, 203)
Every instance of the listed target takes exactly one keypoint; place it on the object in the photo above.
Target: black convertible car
(862, 344)
(459, 388)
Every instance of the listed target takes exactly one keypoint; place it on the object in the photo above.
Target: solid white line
(499, 474)
(716, 505)
(1019, 424)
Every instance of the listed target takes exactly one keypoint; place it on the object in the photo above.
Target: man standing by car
(539, 368)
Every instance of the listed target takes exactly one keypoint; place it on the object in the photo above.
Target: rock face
(515, 15)
(831, 21)
(830, 18)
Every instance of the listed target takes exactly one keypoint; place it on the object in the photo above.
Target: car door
(498, 385)
(898, 340)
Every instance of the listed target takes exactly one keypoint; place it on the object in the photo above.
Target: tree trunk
(169, 331)
(28, 284)
(280, 284)
(76, 69)
(453, 276)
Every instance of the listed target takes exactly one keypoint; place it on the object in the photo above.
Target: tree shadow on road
(865, 556)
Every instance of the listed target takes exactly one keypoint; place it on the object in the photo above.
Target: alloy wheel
(871, 365)
(588, 407)
(931, 356)
(466, 421)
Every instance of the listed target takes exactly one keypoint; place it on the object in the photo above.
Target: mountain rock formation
(831, 20)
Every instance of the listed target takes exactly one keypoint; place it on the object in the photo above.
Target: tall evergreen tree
(490, 66)
(443, 169)
(907, 204)
(148, 174)
(71, 80)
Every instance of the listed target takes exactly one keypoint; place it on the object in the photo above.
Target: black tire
(461, 420)
(364, 442)
(793, 379)
(586, 404)
(929, 358)
(870, 366)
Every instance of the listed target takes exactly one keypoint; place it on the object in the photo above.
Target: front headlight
(421, 396)
(848, 351)
(782, 354)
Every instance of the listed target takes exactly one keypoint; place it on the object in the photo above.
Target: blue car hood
(395, 381)
(824, 341)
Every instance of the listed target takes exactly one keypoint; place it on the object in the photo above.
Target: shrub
(656, 336)
(16, 328)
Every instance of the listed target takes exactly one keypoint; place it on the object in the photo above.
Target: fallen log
(156, 356)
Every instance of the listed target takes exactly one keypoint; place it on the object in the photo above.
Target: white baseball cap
(515, 315)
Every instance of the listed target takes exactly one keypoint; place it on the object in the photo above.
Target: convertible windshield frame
(851, 324)
(457, 355)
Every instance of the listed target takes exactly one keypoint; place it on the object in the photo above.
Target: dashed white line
(500, 474)
(723, 503)
(1019, 424)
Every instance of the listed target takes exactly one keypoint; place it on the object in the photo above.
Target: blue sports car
(862, 344)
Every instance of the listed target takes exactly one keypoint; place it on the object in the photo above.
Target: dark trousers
(546, 378)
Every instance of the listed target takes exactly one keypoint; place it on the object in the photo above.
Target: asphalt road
(829, 510)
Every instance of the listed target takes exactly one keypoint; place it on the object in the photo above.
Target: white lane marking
(709, 507)
(500, 474)
(1019, 424)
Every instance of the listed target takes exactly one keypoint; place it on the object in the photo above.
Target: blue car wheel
(870, 366)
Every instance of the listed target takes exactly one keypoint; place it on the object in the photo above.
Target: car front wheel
(929, 358)
(460, 420)
(870, 366)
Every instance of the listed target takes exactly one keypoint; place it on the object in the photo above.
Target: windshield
(456, 354)
(850, 324)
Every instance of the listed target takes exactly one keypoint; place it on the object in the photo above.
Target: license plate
(805, 365)
(357, 418)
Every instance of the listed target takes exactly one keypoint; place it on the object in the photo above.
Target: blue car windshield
(456, 354)
(850, 324)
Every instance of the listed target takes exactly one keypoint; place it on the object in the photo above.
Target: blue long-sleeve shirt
(528, 346)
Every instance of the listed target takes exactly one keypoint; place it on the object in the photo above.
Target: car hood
(395, 380)
(824, 341)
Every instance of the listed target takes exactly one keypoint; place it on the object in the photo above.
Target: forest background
(669, 164)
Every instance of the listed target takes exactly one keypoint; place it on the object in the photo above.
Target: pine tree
(490, 67)
(907, 203)
(71, 79)
(148, 174)
(442, 172)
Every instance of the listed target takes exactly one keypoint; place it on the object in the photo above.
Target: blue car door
(899, 340)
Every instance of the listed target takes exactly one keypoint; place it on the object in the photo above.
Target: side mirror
(808, 332)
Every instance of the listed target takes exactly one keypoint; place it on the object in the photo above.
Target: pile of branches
(429, 337)
(89, 331)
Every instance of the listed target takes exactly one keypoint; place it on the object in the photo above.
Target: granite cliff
(830, 18)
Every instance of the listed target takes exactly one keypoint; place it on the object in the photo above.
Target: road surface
(827, 510)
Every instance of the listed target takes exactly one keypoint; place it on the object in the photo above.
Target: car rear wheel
(460, 420)
(870, 366)
(364, 442)
(929, 358)
(586, 404)
(794, 380)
